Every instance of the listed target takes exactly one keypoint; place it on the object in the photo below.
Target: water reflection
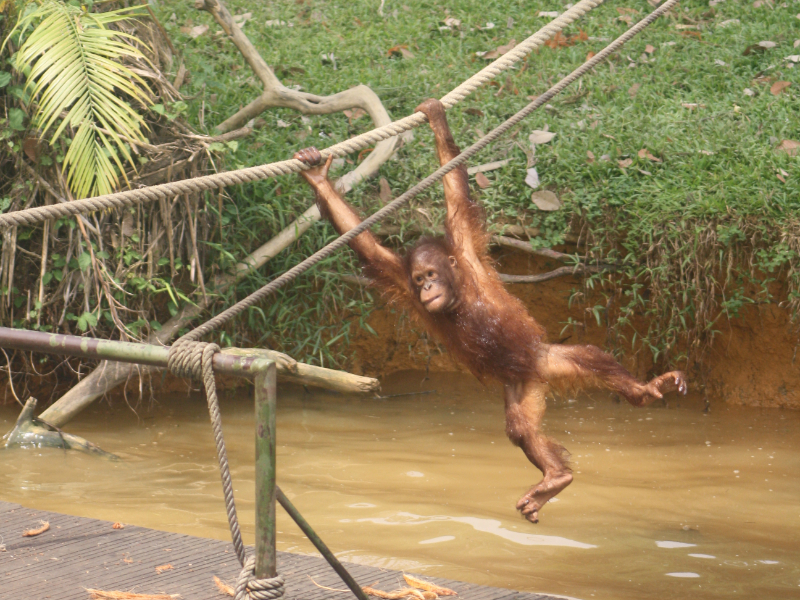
(385, 483)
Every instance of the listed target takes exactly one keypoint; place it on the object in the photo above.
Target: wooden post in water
(266, 392)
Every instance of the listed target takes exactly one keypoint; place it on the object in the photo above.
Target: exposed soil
(752, 362)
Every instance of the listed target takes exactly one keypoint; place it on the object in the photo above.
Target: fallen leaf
(605, 157)
(695, 34)
(589, 156)
(634, 89)
(796, 44)
(355, 114)
(627, 19)
(624, 164)
(681, 27)
(197, 31)
(594, 124)
(795, 58)
(720, 63)
(118, 526)
(692, 105)
(781, 177)
(728, 22)
(282, 123)
(500, 50)
(30, 146)
(748, 92)
(223, 587)
(552, 14)
(624, 10)
(645, 153)
(482, 181)
(643, 172)
(399, 594)
(649, 49)
(539, 136)
(278, 23)
(400, 50)
(767, 44)
(452, 22)
(532, 178)
(163, 568)
(43, 526)
(753, 48)
(789, 146)
(559, 40)
(386, 191)
(611, 137)
(546, 200)
(706, 152)
(589, 55)
(778, 87)
(475, 112)
(428, 586)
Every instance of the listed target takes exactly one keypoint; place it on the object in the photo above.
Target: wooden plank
(79, 553)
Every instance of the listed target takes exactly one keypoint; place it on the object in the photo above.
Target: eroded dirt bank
(752, 362)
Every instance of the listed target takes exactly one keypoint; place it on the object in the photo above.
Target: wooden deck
(79, 553)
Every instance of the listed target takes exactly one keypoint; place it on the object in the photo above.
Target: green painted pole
(266, 393)
(320, 545)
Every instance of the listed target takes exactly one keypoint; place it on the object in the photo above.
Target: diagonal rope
(423, 185)
(31, 216)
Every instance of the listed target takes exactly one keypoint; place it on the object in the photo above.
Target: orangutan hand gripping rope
(452, 287)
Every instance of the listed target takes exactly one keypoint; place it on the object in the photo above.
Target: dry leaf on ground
(546, 200)
(540, 136)
(197, 31)
(428, 586)
(482, 181)
(624, 164)
(500, 50)
(789, 146)
(400, 50)
(589, 156)
(386, 191)
(398, 594)
(160, 569)
(649, 49)
(223, 587)
(118, 525)
(532, 178)
(108, 595)
(645, 153)
(44, 526)
(634, 89)
(778, 87)
(354, 114)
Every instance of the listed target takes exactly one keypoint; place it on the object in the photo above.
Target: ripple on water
(702, 556)
(415, 474)
(687, 575)
(668, 544)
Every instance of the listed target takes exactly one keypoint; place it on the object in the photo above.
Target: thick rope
(31, 216)
(247, 586)
(194, 360)
(423, 185)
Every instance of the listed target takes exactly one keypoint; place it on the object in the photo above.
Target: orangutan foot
(533, 501)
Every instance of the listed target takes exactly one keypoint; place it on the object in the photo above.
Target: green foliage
(73, 61)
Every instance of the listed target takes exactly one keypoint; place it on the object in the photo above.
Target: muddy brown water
(667, 501)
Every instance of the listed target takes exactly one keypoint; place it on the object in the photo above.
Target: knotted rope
(31, 216)
(194, 360)
(423, 185)
(247, 586)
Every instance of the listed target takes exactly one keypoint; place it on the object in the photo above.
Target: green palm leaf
(78, 81)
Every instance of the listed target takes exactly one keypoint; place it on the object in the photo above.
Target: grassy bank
(704, 220)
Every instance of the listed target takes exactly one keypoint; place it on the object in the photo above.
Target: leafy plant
(73, 62)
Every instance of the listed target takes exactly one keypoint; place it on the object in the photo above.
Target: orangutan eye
(431, 273)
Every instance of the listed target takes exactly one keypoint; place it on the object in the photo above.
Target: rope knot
(189, 359)
(250, 588)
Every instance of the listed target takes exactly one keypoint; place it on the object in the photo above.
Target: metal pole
(266, 392)
(143, 354)
(320, 545)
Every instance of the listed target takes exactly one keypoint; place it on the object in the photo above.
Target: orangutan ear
(453, 261)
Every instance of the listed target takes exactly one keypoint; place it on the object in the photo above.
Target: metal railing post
(265, 394)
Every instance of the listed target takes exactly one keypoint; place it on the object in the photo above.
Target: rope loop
(188, 359)
(250, 588)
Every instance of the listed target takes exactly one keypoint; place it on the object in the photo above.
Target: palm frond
(78, 81)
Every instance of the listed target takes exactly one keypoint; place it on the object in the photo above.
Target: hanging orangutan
(451, 285)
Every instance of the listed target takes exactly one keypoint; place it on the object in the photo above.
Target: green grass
(700, 233)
